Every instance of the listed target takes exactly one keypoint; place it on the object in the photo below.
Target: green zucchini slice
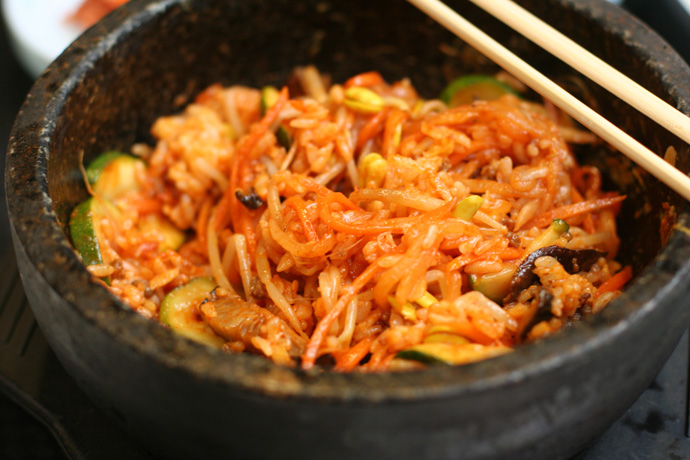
(495, 286)
(173, 238)
(467, 89)
(113, 175)
(450, 353)
(180, 311)
(85, 229)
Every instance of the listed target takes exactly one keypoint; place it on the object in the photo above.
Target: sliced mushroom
(572, 260)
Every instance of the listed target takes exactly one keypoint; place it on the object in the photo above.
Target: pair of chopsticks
(582, 60)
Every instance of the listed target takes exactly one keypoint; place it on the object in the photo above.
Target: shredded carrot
(393, 125)
(572, 210)
(501, 189)
(321, 330)
(363, 223)
(588, 222)
(297, 203)
(346, 361)
(372, 128)
(617, 281)
(229, 204)
(309, 240)
(203, 220)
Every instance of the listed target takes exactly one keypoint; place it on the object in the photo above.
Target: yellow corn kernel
(363, 100)
(373, 169)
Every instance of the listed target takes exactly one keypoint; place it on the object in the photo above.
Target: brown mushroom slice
(572, 260)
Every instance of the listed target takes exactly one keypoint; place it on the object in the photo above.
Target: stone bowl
(547, 400)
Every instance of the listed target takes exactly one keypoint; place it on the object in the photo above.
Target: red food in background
(92, 10)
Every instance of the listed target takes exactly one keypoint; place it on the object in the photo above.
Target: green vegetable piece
(467, 89)
(180, 311)
(83, 232)
(284, 138)
(549, 236)
(449, 353)
(468, 207)
(94, 169)
(113, 175)
(173, 238)
(84, 227)
(446, 337)
(417, 353)
(269, 97)
(495, 286)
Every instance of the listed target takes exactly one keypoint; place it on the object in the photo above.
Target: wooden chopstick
(524, 22)
(486, 45)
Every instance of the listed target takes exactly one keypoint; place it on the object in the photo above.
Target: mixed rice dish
(356, 226)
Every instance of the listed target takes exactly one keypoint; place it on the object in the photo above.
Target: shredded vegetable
(382, 231)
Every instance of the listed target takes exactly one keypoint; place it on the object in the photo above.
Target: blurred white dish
(40, 30)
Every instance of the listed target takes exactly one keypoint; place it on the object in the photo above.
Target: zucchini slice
(444, 334)
(85, 230)
(114, 174)
(180, 311)
(495, 286)
(450, 353)
(173, 238)
(269, 97)
(467, 89)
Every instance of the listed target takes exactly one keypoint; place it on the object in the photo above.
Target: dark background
(22, 437)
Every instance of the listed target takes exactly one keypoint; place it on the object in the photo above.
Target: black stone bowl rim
(38, 233)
